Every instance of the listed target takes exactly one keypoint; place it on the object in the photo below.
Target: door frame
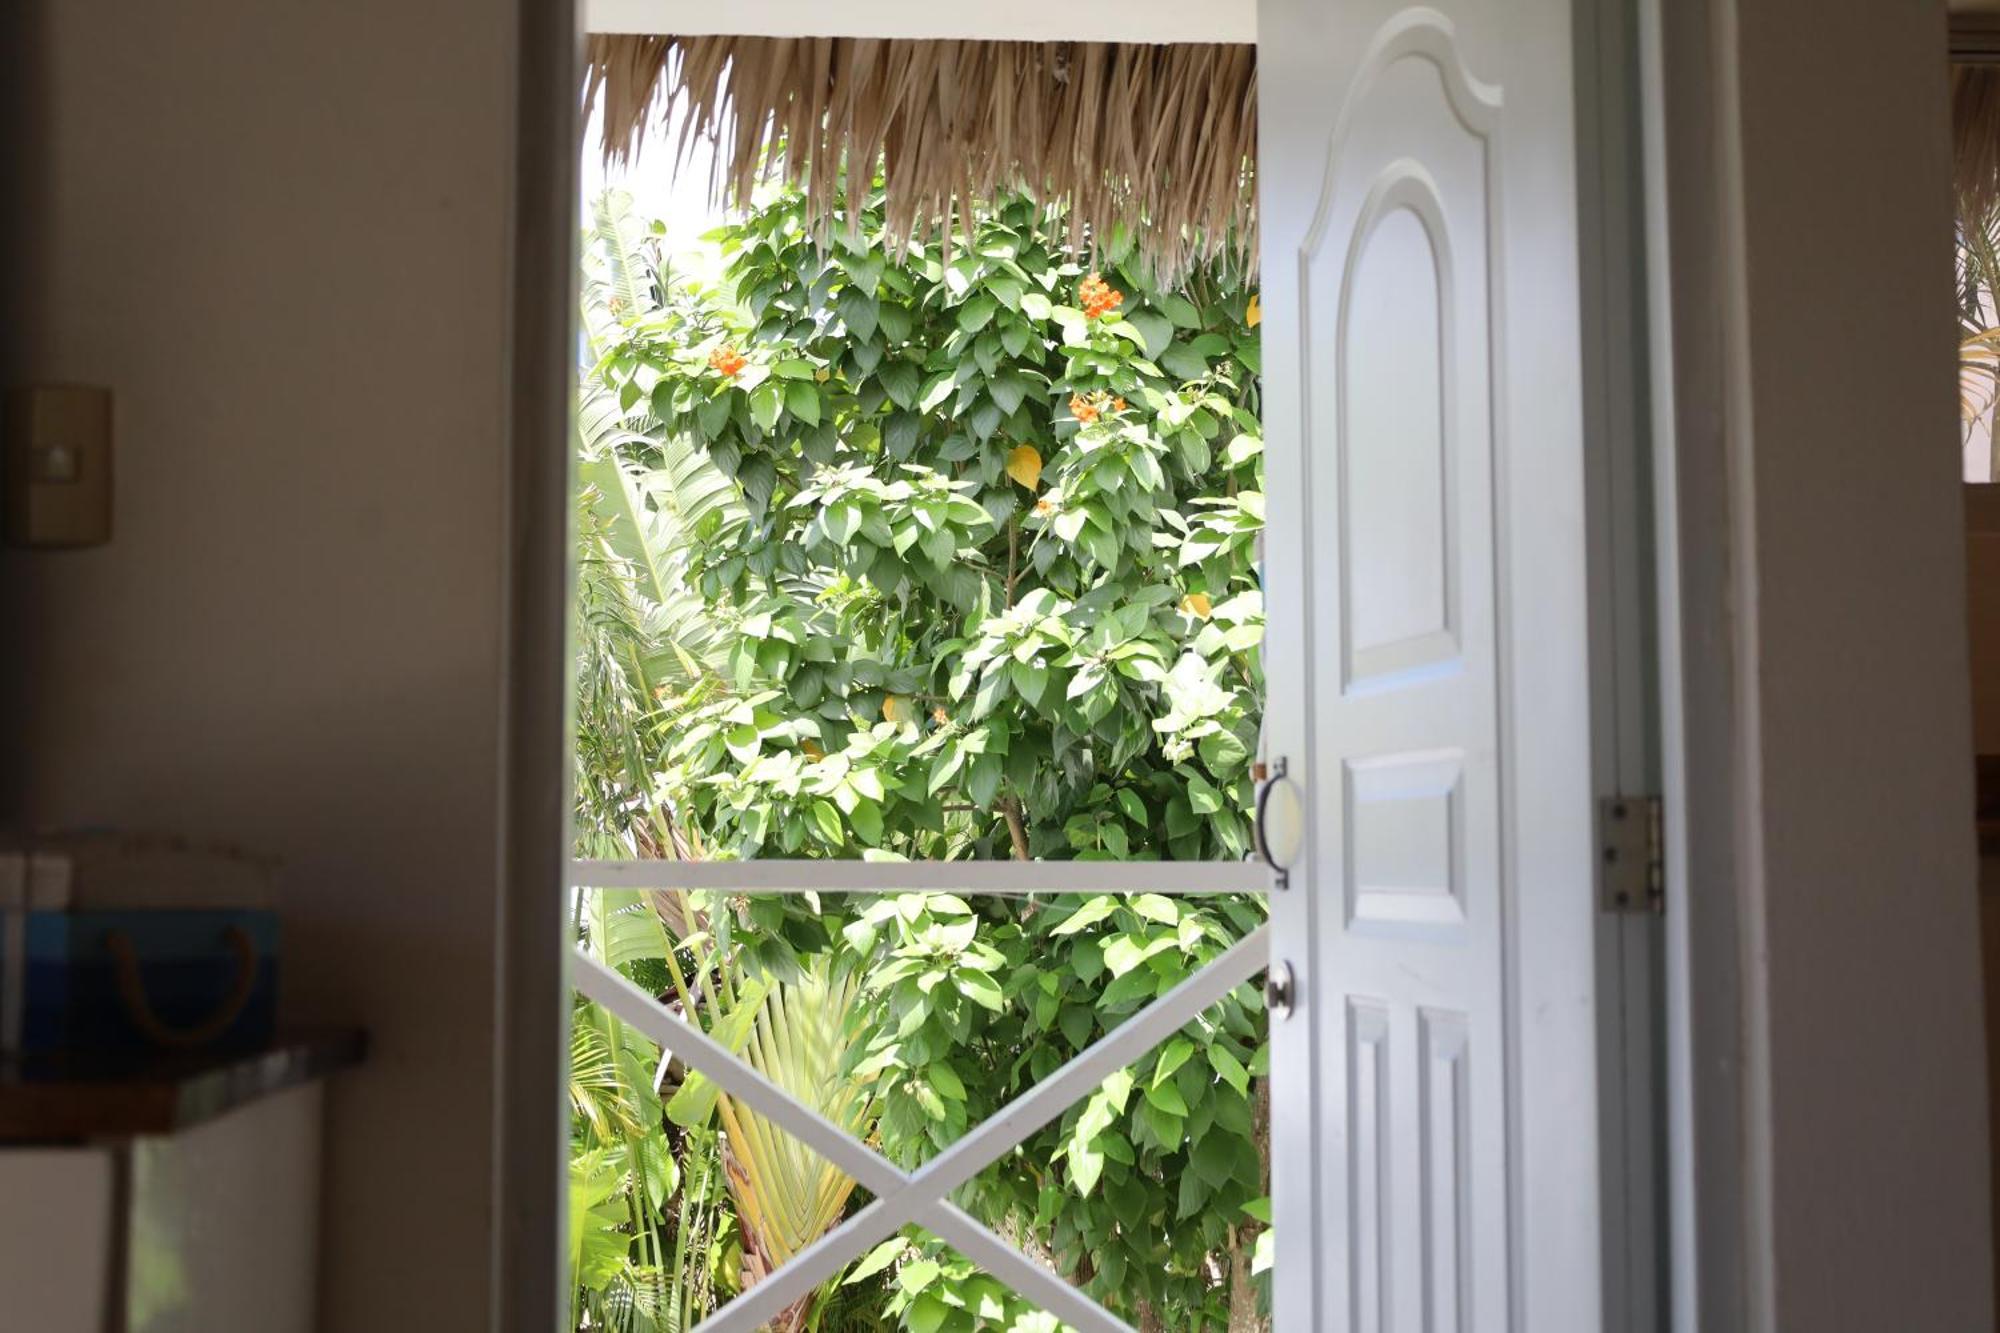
(533, 990)
(531, 1000)
(1766, 932)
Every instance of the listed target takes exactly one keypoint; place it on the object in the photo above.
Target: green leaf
(866, 817)
(1031, 680)
(876, 1260)
(1168, 1098)
(1089, 914)
(1184, 362)
(1229, 1069)
(934, 397)
(980, 989)
(1138, 984)
(857, 308)
(765, 405)
(1165, 1125)
(1126, 952)
(926, 1314)
(946, 1080)
(803, 399)
(900, 380)
(976, 313)
(866, 272)
(1181, 311)
(1172, 1057)
(1156, 332)
(1036, 306)
(827, 820)
(1086, 1165)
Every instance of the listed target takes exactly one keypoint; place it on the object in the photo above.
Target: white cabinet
(185, 1202)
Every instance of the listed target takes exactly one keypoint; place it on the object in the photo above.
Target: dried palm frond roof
(1975, 115)
(1975, 136)
(1161, 138)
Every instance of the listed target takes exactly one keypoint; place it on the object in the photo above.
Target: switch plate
(58, 466)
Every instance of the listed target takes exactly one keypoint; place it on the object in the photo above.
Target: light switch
(58, 447)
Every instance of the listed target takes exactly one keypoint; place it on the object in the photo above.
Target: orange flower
(1098, 297)
(1118, 404)
(939, 716)
(728, 361)
(1082, 409)
(1042, 506)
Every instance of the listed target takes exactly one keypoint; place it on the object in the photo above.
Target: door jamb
(1717, 1093)
(1689, 462)
(531, 989)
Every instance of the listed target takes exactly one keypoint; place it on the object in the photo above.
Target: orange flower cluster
(1098, 297)
(727, 360)
(1090, 409)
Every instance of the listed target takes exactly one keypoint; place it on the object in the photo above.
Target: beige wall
(278, 230)
(1864, 870)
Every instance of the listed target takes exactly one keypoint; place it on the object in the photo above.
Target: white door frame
(533, 997)
(1821, 923)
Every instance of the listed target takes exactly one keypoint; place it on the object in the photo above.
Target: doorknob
(1280, 991)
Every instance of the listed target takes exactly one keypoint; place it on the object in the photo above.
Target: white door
(1428, 666)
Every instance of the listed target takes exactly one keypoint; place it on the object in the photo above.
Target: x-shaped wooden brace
(921, 1196)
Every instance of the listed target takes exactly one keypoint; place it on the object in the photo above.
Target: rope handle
(139, 1008)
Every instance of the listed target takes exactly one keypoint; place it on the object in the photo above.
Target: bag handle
(139, 1008)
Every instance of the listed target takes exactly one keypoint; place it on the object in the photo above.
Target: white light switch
(58, 449)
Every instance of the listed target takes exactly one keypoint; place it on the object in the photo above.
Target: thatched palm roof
(1159, 138)
(1975, 114)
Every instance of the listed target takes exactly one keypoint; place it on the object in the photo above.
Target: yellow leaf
(1197, 605)
(1254, 315)
(895, 709)
(812, 749)
(1024, 465)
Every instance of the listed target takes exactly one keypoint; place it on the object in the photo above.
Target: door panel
(1425, 460)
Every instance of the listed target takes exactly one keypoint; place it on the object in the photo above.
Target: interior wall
(1858, 865)
(1982, 591)
(279, 232)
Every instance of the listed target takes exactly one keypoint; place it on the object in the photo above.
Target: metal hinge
(1631, 850)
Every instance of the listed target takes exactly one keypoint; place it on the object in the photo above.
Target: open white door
(1429, 666)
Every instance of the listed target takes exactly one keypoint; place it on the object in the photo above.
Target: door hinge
(1631, 851)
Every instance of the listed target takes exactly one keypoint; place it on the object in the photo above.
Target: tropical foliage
(1979, 326)
(892, 552)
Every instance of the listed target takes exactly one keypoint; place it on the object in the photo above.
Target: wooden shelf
(57, 1100)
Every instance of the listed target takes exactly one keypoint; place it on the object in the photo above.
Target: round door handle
(1260, 829)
